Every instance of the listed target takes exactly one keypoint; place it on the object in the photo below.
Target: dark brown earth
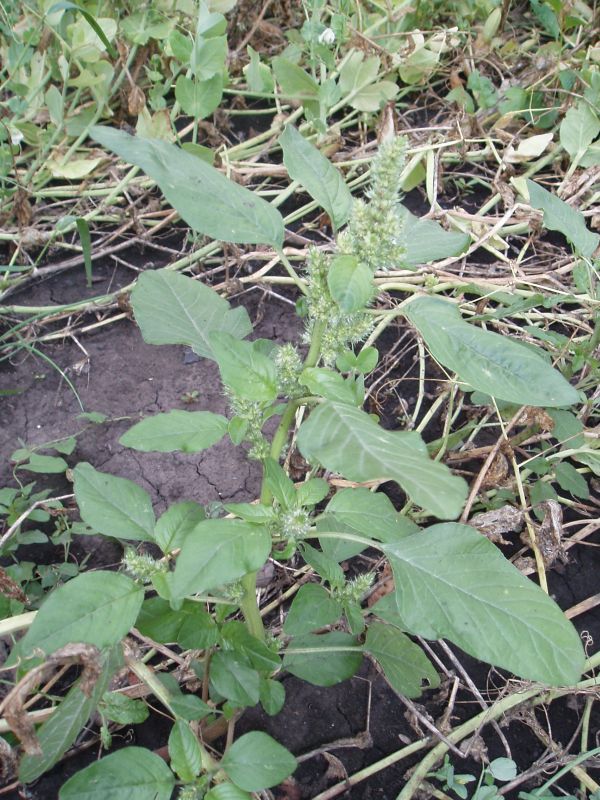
(125, 378)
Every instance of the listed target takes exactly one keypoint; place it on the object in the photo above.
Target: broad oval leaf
(175, 524)
(186, 431)
(234, 680)
(365, 513)
(174, 309)
(453, 583)
(560, 216)
(489, 362)
(578, 129)
(191, 626)
(113, 506)
(350, 283)
(133, 773)
(347, 440)
(404, 664)
(324, 182)
(184, 751)
(312, 608)
(204, 198)
(244, 368)
(98, 608)
(218, 551)
(256, 761)
(335, 657)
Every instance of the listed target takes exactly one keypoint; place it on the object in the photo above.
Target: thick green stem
(250, 608)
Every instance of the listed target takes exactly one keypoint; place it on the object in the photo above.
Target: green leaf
(324, 182)
(578, 130)
(453, 583)
(326, 666)
(488, 362)
(191, 626)
(113, 506)
(198, 98)
(312, 491)
(256, 761)
(90, 19)
(46, 465)
(209, 56)
(571, 481)
(98, 608)
(227, 791)
(370, 514)
(331, 385)
(560, 216)
(568, 429)
(125, 710)
(589, 457)
(294, 81)
(184, 751)
(244, 368)
(427, 241)
(365, 513)
(357, 82)
(175, 524)
(83, 229)
(251, 512)
(186, 706)
(312, 608)
(219, 551)
(278, 483)
(181, 47)
(174, 309)
(205, 199)
(234, 680)
(186, 431)
(350, 283)
(346, 440)
(272, 696)
(58, 733)
(133, 773)
(258, 75)
(236, 635)
(404, 664)
(325, 566)
(545, 14)
(503, 769)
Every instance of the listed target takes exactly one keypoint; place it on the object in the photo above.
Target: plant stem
(538, 696)
(249, 606)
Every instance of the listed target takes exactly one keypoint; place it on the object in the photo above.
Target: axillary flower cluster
(375, 237)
